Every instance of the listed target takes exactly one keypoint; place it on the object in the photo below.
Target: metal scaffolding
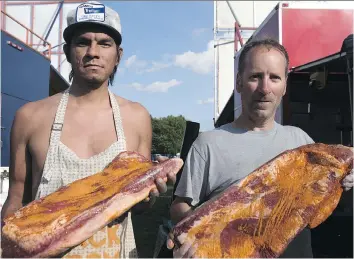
(39, 24)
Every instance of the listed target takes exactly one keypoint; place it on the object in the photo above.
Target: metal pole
(215, 61)
(216, 82)
(225, 43)
(54, 47)
(55, 17)
(233, 13)
(237, 32)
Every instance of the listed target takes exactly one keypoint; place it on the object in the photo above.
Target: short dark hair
(267, 43)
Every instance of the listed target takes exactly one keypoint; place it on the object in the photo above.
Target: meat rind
(67, 217)
(260, 215)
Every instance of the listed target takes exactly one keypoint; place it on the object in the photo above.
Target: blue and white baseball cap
(93, 12)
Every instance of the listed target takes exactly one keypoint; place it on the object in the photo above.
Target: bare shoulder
(137, 126)
(31, 113)
(133, 109)
(34, 110)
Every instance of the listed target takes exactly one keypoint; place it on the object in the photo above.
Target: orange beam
(3, 9)
(24, 26)
(238, 37)
(44, 2)
(27, 30)
(32, 21)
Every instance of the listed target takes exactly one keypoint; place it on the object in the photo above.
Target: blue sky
(168, 62)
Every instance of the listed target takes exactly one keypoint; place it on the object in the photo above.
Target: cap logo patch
(90, 12)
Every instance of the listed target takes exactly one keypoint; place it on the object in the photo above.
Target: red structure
(308, 32)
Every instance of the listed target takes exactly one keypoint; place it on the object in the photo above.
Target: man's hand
(160, 184)
(154, 193)
(347, 182)
(187, 250)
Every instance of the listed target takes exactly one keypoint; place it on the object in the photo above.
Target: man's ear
(238, 83)
(119, 56)
(286, 84)
(66, 49)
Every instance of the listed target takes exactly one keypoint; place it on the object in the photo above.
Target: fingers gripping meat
(260, 215)
(72, 214)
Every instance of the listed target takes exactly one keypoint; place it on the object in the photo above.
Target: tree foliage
(167, 134)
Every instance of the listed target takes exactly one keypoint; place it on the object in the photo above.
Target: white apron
(62, 166)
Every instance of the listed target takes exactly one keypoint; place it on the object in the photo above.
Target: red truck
(319, 39)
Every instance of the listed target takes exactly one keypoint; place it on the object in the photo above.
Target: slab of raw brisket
(53, 224)
(260, 215)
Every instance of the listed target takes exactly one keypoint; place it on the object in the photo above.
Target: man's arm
(180, 208)
(19, 162)
(190, 192)
(191, 189)
(144, 148)
(145, 132)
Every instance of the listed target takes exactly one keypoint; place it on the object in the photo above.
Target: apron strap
(117, 120)
(55, 134)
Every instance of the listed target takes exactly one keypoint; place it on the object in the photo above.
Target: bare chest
(89, 134)
(84, 134)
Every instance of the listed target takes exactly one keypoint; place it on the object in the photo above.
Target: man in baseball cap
(94, 37)
(76, 133)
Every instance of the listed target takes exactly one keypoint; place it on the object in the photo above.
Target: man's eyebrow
(256, 72)
(82, 38)
(106, 40)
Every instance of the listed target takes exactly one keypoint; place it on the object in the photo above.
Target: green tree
(167, 134)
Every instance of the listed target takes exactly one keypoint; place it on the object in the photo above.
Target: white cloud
(121, 70)
(209, 100)
(156, 66)
(134, 62)
(143, 66)
(156, 86)
(130, 61)
(199, 62)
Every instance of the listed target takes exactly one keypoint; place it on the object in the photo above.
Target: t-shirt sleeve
(193, 182)
(300, 137)
(307, 138)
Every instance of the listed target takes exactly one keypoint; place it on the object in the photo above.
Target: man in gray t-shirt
(223, 156)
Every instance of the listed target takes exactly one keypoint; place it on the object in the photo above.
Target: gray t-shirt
(223, 156)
